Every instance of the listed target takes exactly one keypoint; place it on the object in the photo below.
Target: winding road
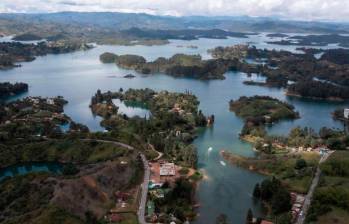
(303, 213)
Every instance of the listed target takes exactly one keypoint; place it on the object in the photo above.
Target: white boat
(210, 149)
(223, 163)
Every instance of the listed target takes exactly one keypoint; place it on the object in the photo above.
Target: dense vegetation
(326, 77)
(259, 110)
(64, 150)
(34, 116)
(330, 202)
(177, 201)
(179, 65)
(91, 170)
(8, 89)
(187, 34)
(170, 128)
(294, 171)
(276, 196)
(259, 107)
(26, 37)
(46, 198)
(304, 137)
(318, 89)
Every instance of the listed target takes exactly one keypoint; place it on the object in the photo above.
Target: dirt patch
(93, 190)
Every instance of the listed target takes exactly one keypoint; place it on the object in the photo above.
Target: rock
(129, 76)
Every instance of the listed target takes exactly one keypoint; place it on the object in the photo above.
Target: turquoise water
(131, 109)
(26, 168)
(226, 189)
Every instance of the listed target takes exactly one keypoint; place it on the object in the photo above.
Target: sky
(325, 10)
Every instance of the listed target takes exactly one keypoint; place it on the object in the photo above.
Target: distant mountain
(122, 21)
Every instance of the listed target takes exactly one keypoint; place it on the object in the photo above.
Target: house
(346, 113)
(50, 101)
(167, 169)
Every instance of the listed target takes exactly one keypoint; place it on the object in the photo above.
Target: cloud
(291, 9)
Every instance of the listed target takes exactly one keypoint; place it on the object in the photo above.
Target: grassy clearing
(65, 150)
(337, 216)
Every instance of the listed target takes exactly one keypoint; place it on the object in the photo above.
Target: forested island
(12, 53)
(279, 67)
(315, 40)
(260, 110)
(318, 90)
(170, 128)
(27, 37)
(324, 78)
(179, 65)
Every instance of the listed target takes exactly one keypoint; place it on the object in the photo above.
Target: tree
(300, 164)
(90, 218)
(70, 169)
(281, 201)
(249, 217)
(257, 191)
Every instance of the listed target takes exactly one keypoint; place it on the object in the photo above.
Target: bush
(70, 169)
(300, 164)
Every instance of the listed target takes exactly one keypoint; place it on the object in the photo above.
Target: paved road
(145, 184)
(109, 141)
(303, 213)
(142, 204)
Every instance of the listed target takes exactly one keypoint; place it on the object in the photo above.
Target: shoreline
(332, 99)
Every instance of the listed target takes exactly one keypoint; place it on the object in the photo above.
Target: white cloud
(292, 9)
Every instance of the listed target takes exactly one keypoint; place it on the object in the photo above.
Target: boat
(223, 163)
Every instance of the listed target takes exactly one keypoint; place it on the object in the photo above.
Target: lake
(225, 189)
(25, 168)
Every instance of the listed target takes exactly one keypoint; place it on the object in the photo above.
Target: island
(293, 71)
(315, 40)
(281, 68)
(12, 53)
(27, 37)
(277, 35)
(318, 90)
(179, 65)
(258, 111)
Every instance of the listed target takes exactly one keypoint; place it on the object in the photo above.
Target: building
(346, 113)
(167, 169)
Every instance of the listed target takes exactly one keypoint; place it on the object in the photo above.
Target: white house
(346, 113)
